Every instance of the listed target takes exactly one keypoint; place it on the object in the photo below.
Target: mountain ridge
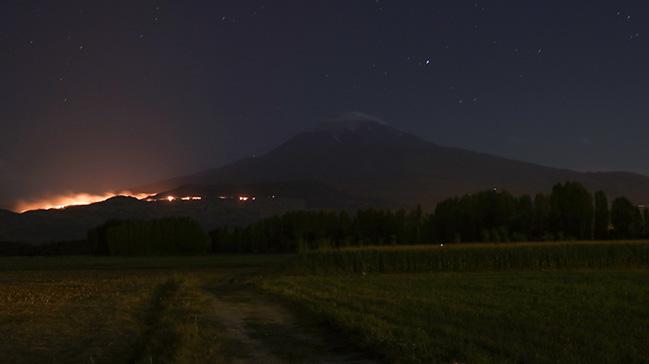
(371, 159)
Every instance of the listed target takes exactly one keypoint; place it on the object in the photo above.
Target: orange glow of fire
(191, 198)
(73, 199)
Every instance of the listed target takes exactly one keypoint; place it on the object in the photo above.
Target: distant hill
(363, 157)
(6, 214)
(350, 162)
(72, 223)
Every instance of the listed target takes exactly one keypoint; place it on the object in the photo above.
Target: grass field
(568, 317)
(585, 303)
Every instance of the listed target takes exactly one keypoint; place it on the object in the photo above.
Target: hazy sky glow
(102, 97)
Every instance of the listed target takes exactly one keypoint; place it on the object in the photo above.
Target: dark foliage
(626, 218)
(572, 211)
(10, 248)
(602, 216)
(169, 236)
(73, 247)
(568, 213)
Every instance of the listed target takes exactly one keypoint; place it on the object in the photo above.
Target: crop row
(459, 258)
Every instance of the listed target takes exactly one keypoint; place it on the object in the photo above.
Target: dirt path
(265, 331)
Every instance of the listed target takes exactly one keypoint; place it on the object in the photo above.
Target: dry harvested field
(162, 314)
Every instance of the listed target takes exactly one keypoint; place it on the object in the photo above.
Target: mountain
(361, 156)
(314, 195)
(350, 162)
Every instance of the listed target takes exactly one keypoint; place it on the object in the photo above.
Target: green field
(525, 303)
(569, 317)
(476, 257)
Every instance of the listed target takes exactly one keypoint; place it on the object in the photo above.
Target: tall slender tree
(541, 217)
(626, 219)
(572, 210)
(646, 222)
(602, 216)
(523, 221)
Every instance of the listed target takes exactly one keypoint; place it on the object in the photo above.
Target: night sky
(103, 97)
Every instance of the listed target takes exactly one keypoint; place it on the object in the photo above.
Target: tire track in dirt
(271, 333)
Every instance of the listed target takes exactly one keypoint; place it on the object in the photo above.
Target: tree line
(168, 236)
(569, 212)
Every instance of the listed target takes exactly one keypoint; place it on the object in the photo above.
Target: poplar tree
(602, 216)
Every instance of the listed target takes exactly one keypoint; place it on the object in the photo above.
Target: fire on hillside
(82, 199)
(73, 199)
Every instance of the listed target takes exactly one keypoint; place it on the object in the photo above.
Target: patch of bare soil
(266, 331)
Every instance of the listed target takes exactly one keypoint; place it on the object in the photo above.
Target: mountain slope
(72, 223)
(369, 159)
(314, 195)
